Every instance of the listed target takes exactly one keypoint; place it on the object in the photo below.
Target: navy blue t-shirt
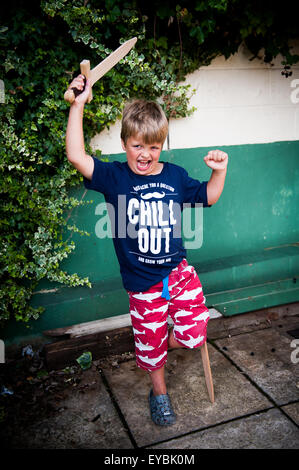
(145, 213)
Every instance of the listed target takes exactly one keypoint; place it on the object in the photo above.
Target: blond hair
(145, 119)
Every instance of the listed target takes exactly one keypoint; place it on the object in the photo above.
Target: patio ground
(254, 362)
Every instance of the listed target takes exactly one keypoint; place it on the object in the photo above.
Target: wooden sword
(97, 72)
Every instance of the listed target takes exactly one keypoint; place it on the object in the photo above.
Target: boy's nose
(145, 153)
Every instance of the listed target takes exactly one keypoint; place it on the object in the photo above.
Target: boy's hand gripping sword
(97, 72)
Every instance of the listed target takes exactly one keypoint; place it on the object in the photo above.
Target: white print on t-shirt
(155, 219)
(150, 215)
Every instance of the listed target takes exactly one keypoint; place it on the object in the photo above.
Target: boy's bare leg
(172, 343)
(158, 381)
(157, 376)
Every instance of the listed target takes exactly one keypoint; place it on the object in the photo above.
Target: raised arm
(217, 161)
(75, 148)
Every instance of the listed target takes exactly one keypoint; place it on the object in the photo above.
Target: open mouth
(143, 165)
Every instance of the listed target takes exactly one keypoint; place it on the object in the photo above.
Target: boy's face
(143, 159)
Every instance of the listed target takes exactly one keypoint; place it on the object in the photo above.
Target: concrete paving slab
(265, 356)
(292, 411)
(266, 430)
(83, 421)
(234, 395)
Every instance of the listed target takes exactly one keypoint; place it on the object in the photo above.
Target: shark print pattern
(149, 313)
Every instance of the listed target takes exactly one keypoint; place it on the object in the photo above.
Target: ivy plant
(41, 44)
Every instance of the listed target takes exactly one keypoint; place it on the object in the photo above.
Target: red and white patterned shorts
(149, 312)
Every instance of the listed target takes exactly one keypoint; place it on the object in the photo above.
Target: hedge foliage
(41, 45)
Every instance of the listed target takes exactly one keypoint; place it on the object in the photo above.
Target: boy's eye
(138, 146)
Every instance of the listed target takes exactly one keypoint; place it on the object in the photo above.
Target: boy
(149, 248)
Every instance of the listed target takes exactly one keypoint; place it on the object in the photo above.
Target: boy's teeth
(143, 164)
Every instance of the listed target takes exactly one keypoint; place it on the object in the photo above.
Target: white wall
(238, 102)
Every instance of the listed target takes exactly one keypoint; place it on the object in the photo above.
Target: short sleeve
(194, 190)
(101, 177)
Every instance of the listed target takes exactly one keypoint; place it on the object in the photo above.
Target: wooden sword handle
(71, 93)
(85, 70)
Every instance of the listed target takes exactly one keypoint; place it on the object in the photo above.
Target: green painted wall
(249, 257)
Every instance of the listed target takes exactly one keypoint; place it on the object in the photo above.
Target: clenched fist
(78, 83)
(216, 160)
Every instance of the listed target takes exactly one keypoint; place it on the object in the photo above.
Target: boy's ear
(123, 145)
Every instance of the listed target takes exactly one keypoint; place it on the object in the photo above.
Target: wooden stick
(207, 370)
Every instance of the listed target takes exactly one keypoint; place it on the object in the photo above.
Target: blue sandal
(161, 409)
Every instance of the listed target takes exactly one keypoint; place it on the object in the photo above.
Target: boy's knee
(191, 340)
(202, 339)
